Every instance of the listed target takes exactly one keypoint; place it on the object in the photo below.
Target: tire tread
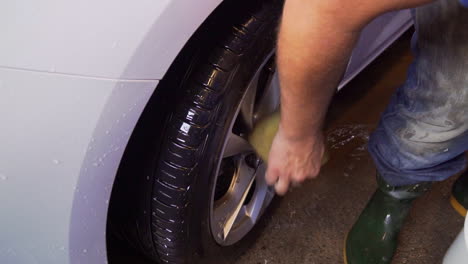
(187, 133)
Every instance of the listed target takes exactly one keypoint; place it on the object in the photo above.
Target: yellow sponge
(263, 134)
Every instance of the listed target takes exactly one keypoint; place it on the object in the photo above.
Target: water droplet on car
(52, 69)
(62, 248)
(114, 44)
(107, 201)
(56, 161)
(3, 177)
(107, 132)
(85, 250)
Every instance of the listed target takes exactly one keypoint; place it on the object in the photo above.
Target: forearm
(312, 55)
(313, 51)
(315, 42)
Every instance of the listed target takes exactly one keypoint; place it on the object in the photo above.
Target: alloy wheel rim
(241, 194)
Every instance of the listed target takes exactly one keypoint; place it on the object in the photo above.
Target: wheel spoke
(261, 195)
(270, 99)
(232, 218)
(236, 145)
(227, 209)
(248, 102)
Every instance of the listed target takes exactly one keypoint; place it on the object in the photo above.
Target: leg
(423, 132)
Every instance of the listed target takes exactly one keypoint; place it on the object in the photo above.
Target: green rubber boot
(374, 237)
(459, 199)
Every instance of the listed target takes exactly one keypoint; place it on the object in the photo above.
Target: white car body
(75, 77)
(458, 251)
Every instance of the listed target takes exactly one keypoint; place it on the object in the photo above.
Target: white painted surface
(118, 39)
(458, 251)
(61, 139)
(375, 38)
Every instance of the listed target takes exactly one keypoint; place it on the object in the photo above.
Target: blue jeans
(423, 133)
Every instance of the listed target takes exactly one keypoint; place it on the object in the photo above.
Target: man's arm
(314, 45)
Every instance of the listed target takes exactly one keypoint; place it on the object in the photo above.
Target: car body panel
(123, 39)
(61, 141)
(375, 38)
(75, 77)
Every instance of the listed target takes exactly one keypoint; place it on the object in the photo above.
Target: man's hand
(294, 160)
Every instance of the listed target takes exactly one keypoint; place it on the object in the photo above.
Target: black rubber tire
(178, 191)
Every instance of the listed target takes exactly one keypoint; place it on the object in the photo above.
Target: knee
(430, 136)
(415, 145)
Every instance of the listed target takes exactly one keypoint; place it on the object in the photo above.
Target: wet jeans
(423, 133)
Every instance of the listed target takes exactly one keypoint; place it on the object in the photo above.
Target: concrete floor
(309, 224)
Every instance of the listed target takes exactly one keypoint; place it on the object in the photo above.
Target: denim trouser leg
(422, 134)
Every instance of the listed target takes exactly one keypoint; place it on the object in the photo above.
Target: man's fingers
(271, 176)
(298, 177)
(282, 186)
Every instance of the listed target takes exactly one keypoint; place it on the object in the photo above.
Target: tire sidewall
(203, 246)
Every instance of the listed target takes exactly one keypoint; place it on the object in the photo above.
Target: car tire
(182, 177)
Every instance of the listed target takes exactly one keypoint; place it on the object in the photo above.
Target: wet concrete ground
(309, 224)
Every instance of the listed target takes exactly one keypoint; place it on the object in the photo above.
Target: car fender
(75, 77)
(107, 39)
